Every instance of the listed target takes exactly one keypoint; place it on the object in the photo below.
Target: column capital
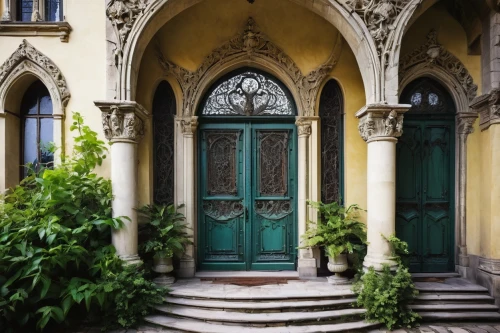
(488, 108)
(304, 126)
(122, 121)
(465, 122)
(381, 121)
(189, 125)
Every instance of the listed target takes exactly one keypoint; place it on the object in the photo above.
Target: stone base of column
(307, 268)
(187, 268)
(463, 260)
(378, 262)
(131, 260)
(464, 272)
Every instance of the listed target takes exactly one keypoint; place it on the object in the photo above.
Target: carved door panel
(424, 188)
(247, 203)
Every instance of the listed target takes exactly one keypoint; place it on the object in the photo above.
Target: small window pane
(433, 99)
(45, 104)
(53, 10)
(416, 99)
(30, 144)
(31, 105)
(26, 9)
(46, 138)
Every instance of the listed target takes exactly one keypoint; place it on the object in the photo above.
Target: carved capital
(189, 125)
(378, 121)
(122, 120)
(488, 108)
(304, 126)
(465, 122)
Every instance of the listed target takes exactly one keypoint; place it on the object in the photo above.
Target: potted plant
(339, 232)
(166, 236)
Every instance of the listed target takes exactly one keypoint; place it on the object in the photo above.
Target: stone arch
(145, 19)
(25, 66)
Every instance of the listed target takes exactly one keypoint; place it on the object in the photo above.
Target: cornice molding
(28, 29)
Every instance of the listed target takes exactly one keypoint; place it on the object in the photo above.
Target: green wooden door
(425, 195)
(247, 218)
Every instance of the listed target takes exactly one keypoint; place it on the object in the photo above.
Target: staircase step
(251, 306)
(291, 295)
(257, 318)
(428, 297)
(460, 316)
(186, 325)
(453, 307)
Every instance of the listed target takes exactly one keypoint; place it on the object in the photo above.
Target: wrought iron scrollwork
(273, 209)
(273, 163)
(248, 94)
(223, 210)
(330, 111)
(427, 96)
(221, 160)
(163, 133)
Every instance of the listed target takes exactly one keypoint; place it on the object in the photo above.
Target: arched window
(427, 97)
(164, 106)
(37, 127)
(331, 112)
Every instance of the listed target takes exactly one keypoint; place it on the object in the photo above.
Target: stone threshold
(246, 274)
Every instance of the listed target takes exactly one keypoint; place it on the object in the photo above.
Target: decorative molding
(491, 266)
(379, 17)
(378, 121)
(123, 14)
(25, 54)
(432, 54)
(250, 44)
(122, 120)
(45, 29)
(488, 107)
(304, 126)
(465, 122)
(189, 125)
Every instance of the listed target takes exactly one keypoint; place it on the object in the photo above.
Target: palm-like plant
(165, 231)
(337, 229)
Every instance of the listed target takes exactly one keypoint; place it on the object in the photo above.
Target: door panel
(424, 205)
(247, 214)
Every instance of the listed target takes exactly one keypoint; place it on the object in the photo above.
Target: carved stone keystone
(122, 120)
(378, 121)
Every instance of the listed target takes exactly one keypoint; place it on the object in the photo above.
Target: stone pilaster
(380, 125)
(465, 122)
(188, 126)
(306, 261)
(6, 16)
(123, 124)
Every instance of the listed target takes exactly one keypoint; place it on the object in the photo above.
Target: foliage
(399, 250)
(385, 295)
(165, 231)
(337, 229)
(55, 230)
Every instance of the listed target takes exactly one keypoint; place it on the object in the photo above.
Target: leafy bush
(55, 231)
(337, 229)
(385, 295)
(165, 232)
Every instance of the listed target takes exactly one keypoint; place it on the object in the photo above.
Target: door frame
(249, 124)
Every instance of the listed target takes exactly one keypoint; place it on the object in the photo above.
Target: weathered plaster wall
(82, 61)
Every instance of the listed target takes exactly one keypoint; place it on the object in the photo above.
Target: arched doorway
(425, 187)
(247, 175)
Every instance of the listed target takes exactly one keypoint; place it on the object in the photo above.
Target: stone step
(276, 318)
(187, 325)
(290, 295)
(252, 306)
(460, 316)
(453, 307)
(456, 297)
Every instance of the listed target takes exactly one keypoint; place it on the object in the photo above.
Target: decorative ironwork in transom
(427, 96)
(249, 93)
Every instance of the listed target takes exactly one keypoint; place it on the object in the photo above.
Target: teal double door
(425, 193)
(247, 203)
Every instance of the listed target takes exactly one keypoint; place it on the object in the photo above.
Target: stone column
(6, 17)
(123, 123)
(465, 120)
(306, 261)
(189, 126)
(380, 125)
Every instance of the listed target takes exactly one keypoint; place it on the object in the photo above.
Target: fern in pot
(166, 236)
(339, 232)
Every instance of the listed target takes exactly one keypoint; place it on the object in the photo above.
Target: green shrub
(55, 231)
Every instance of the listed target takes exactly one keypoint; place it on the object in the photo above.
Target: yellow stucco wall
(82, 61)
(452, 36)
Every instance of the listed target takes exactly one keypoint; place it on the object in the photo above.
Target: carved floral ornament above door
(254, 47)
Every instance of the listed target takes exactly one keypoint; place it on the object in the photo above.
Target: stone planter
(337, 264)
(164, 267)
